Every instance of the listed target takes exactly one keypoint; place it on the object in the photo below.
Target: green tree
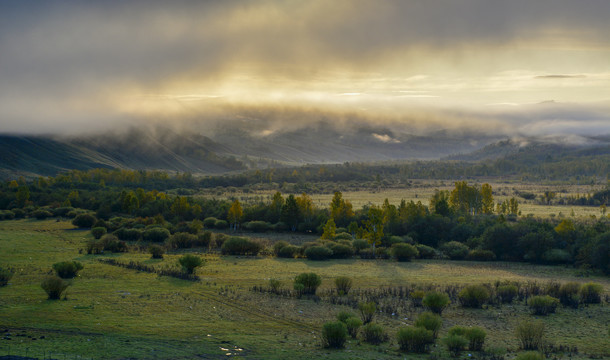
(290, 212)
(23, 195)
(374, 226)
(276, 207)
(439, 203)
(329, 230)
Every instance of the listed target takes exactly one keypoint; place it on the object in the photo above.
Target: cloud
(74, 66)
(560, 76)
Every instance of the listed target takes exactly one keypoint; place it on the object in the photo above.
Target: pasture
(422, 190)
(111, 312)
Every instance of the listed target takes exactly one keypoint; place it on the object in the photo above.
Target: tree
(190, 262)
(465, 199)
(306, 208)
(487, 199)
(374, 226)
(290, 212)
(329, 230)
(439, 203)
(341, 210)
(235, 214)
(23, 195)
(180, 207)
(276, 207)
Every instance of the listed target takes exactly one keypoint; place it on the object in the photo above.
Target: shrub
(182, 240)
(5, 276)
(67, 269)
(359, 245)
(54, 287)
(425, 251)
(275, 285)
(455, 250)
(414, 339)
(404, 252)
(129, 234)
(481, 255)
(240, 246)
(288, 251)
(309, 281)
(430, 321)
(353, 324)
(543, 305)
(343, 285)
(436, 302)
(155, 234)
(221, 224)
(219, 240)
(209, 222)
(84, 221)
(455, 344)
(591, 293)
(373, 334)
(556, 256)
(42, 214)
(367, 311)
(318, 253)
(98, 232)
(156, 251)
(344, 315)
(334, 334)
(568, 294)
(474, 296)
(204, 239)
(279, 245)
(190, 262)
(343, 236)
(366, 254)
(113, 244)
(476, 338)
(340, 251)
(258, 226)
(94, 247)
(530, 334)
(530, 355)
(417, 297)
(507, 293)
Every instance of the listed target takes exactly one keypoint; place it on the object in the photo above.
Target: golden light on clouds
(73, 66)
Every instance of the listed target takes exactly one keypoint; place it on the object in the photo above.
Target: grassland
(422, 190)
(115, 313)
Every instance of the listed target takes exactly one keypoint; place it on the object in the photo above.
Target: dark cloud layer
(76, 65)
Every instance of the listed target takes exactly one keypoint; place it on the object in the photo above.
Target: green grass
(111, 312)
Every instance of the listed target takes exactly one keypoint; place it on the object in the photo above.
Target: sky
(518, 67)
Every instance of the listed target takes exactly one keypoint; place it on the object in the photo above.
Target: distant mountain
(228, 148)
(165, 150)
(533, 150)
(237, 146)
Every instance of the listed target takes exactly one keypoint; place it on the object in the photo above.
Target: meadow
(422, 190)
(111, 312)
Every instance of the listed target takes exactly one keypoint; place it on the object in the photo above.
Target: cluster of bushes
(107, 242)
(55, 285)
(334, 334)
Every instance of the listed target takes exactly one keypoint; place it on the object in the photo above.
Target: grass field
(422, 190)
(117, 313)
